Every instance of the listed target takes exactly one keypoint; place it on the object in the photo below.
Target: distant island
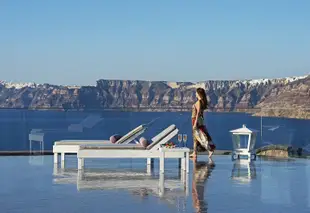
(283, 97)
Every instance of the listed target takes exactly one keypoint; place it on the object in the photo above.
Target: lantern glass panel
(240, 141)
(253, 141)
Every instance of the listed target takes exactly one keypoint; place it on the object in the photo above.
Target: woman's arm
(198, 108)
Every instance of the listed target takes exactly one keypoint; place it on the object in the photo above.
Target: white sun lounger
(72, 146)
(153, 150)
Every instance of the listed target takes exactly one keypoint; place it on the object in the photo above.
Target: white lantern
(244, 140)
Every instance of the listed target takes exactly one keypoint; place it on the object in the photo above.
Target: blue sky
(78, 42)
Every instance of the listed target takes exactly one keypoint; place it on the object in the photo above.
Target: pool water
(34, 184)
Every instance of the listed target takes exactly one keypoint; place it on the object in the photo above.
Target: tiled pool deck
(32, 184)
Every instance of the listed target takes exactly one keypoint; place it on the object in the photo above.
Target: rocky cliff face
(249, 96)
(290, 100)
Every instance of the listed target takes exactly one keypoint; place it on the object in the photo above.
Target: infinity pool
(34, 184)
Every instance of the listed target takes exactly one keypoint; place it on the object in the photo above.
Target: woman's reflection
(201, 172)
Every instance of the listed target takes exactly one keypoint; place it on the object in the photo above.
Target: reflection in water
(36, 160)
(201, 172)
(244, 170)
(285, 183)
(138, 183)
(275, 186)
(280, 186)
(291, 136)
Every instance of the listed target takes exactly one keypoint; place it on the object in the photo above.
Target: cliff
(286, 97)
(290, 100)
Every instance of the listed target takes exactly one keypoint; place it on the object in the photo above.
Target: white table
(178, 152)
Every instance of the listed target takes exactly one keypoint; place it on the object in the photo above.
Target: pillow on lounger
(143, 142)
(115, 138)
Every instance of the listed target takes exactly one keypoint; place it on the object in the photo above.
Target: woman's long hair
(202, 94)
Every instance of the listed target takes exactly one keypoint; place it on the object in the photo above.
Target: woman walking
(201, 136)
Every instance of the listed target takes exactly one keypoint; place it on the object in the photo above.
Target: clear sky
(78, 42)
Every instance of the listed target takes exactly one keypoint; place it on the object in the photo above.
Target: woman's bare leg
(211, 153)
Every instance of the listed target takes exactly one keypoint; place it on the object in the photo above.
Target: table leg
(187, 162)
(80, 163)
(183, 166)
(149, 165)
(162, 162)
(56, 158)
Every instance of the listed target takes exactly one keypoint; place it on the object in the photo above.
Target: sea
(17, 125)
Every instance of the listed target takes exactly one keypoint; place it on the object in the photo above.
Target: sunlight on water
(35, 184)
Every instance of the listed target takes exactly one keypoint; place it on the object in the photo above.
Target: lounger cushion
(80, 142)
(126, 138)
(143, 142)
(113, 146)
(130, 134)
(115, 138)
(161, 135)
